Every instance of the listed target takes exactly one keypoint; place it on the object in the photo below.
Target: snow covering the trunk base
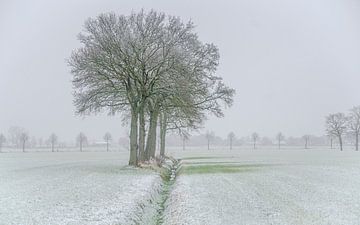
(72, 188)
(307, 191)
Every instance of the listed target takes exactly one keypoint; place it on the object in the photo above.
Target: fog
(291, 62)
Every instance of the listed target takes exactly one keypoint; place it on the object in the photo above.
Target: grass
(216, 168)
(197, 157)
(204, 157)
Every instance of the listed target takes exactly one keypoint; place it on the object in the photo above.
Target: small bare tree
(107, 138)
(2, 141)
(185, 137)
(254, 137)
(24, 137)
(81, 140)
(306, 139)
(209, 137)
(331, 139)
(231, 137)
(354, 125)
(53, 139)
(280, 137)
(336, 126)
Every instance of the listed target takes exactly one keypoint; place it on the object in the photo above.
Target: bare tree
(354, 125)
(209, 137)
(138, 65)
(40, 141)
(184, 139)
(81, 140)
(231, 137)
(107, 138)
(33, 142)
(306, 139)
(255, 137)
(336, 126)
(24, 137)
(15, 136)
(53, 140)
(331, 139)
(280, 137)
(2, 141)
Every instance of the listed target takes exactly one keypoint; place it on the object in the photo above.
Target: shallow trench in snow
(152, 213)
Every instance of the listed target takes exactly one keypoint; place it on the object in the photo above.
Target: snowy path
(288, 188)
(72, 188)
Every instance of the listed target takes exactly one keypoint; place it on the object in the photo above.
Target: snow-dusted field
(250, 187)
(72, 188)
(266, 187)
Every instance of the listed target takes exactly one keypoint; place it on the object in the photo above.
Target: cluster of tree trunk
(152, 69)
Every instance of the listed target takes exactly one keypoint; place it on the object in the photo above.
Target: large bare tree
(134, 64)
(336, 125)
(354, 125)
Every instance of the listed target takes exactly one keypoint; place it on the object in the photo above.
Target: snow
(252, 187)
(73, 188)
(282, 187)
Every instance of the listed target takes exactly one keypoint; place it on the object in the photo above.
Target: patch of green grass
(209, 162)
(199, 157)
(216, 168)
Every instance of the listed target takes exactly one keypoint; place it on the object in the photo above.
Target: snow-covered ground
(72, 188)
(255, 187)
(250, 187)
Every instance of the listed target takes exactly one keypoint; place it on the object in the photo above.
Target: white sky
(291, 62)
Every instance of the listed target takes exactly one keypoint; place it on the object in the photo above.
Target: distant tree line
(19, 138)
(254, 141)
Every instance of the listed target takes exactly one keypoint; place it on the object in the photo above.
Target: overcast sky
(291, 62)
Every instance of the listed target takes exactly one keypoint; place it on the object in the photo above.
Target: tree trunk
(357, 142)
(133, 138)
(230, 143)
(23, 146)
(279, 144)
(183, 144)
(107, 145)
(80, 145)
(151, 138)
(254, 144)
(340, 142)
(142, 134)
(331, 143)
(163, 121)
(52, 147)
(208, 144)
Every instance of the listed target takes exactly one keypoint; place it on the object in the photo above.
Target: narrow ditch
(171, 168)
(151, 211)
